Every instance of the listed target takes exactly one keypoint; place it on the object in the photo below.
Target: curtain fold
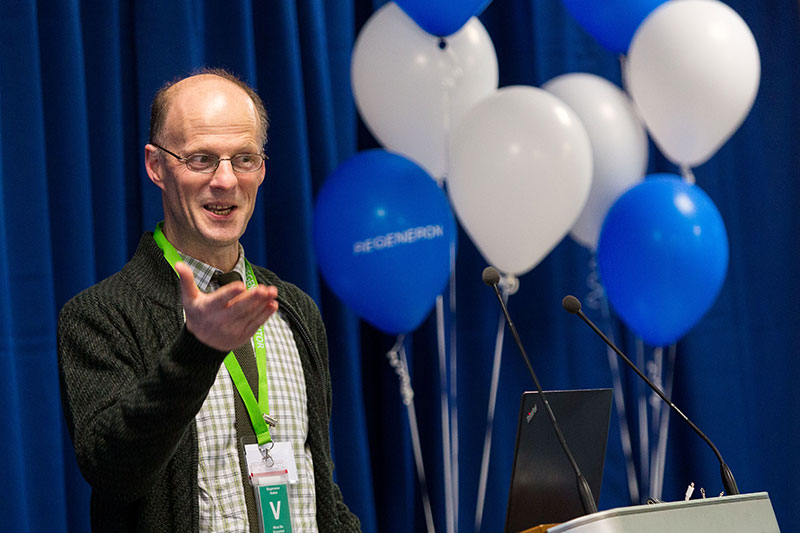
(76, 81)
(29, 400)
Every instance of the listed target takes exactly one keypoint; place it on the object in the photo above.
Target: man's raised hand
(227, 317)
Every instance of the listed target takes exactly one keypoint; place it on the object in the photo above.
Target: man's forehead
(205, 88)
(208, 95)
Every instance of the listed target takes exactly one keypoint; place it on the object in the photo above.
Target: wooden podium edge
(539, 529)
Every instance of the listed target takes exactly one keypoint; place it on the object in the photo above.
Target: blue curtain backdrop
(76, 79)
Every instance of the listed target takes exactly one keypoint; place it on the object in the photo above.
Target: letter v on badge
(272, 499)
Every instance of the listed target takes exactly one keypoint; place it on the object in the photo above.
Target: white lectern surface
(750, 513)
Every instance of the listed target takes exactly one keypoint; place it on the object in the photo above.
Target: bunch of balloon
(662, 257)
(383, 236)
(693, 71)
(692, 68)
(417, 67)
(410, 86)
(521, 172)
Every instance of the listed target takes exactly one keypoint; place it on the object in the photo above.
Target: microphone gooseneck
(492, 278)
(573, 305)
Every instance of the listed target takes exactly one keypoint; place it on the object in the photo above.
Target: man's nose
(224, 177)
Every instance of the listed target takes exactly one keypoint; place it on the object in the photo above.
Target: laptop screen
(543, 483)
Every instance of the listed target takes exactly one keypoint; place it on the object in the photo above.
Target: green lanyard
(257, 410)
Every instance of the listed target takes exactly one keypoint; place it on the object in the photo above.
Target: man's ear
(154, 164)
(262, 173)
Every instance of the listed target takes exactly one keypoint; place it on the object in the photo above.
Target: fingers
(260, 293)
(254, 306)
(248, 311)
(189, 288)
(195, 299)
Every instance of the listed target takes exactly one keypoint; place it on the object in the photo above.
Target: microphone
(227, 277)
(571, 304)
(491, 277)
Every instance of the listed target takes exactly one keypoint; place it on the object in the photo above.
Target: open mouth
(219, 210)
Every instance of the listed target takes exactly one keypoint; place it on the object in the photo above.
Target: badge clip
(271, 422)
(265, 456)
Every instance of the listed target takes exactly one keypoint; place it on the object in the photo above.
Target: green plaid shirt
(222, 503)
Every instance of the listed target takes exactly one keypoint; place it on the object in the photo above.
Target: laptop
(543, 484)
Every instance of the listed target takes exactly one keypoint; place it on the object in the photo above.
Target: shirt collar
(202, 271)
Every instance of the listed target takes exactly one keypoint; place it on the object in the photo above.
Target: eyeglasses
(207, 163)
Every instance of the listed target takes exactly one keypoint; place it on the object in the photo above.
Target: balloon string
(597, 300)
(454, 383)
(448, 82)
(446, 134)
(406, 392)
(453, 399)
(445, 413)
(687, 174)
(597, 294)
(644, 441)
(487, 441)
(398, 361)
(623, 67)
(663, 431)
(655, 371)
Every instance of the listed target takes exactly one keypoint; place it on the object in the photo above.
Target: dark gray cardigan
(133, 379)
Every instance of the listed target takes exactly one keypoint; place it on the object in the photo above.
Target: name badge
(272, 457)
(272, 500)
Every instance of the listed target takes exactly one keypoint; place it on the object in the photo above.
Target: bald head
(211, 87)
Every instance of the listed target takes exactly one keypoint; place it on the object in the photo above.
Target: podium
(745, 513)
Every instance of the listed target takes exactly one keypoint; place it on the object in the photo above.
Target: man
(157, 425)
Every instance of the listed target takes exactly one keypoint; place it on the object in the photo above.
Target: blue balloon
(383, 233)
(662, 257)
(442, 17)
(612, 22)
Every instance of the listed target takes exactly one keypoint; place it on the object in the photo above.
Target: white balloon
(693, 71)
(521, 172)
(619, 145)
(409, 91)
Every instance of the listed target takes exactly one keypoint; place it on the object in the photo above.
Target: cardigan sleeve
(129, 398)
